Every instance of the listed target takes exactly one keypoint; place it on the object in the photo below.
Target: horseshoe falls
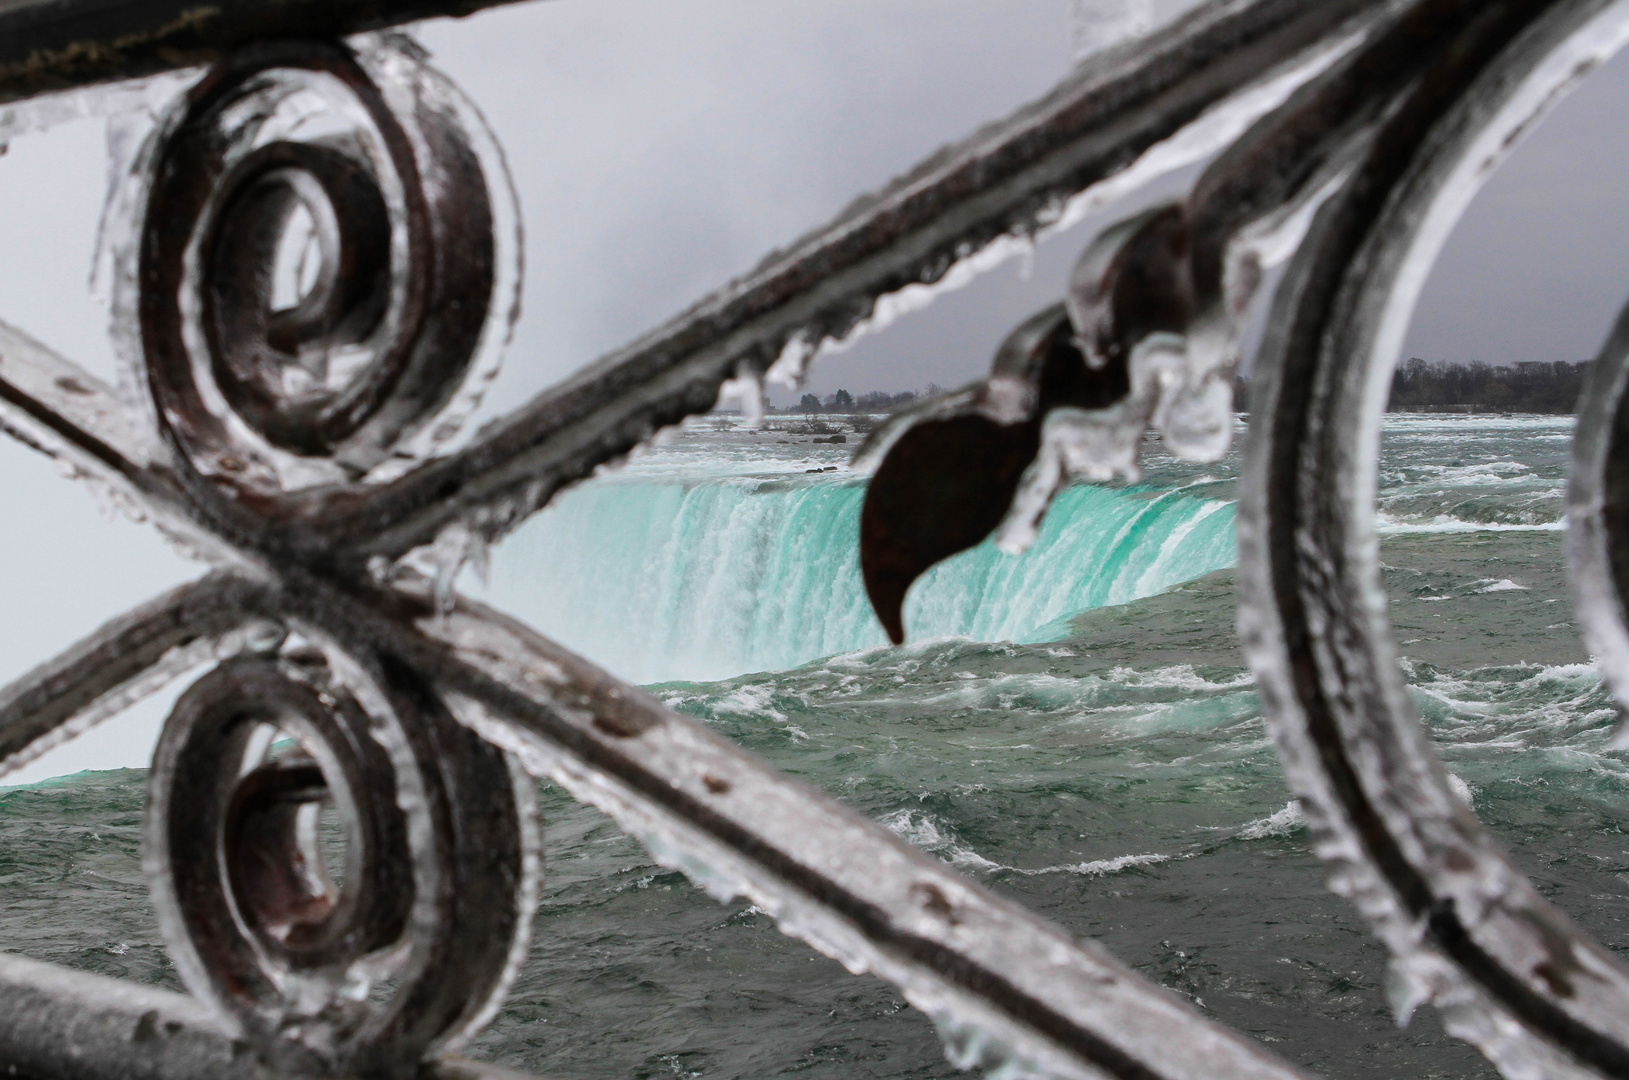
(662, 578)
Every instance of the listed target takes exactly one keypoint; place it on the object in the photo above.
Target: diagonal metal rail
(48, 45)
(851, 888)
(1014, 178)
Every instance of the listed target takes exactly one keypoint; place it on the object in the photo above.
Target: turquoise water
(704, 576)
(1073, 728)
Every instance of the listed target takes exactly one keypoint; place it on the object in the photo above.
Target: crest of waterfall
(666, 579)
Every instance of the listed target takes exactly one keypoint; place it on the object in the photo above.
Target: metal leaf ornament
(953, 470)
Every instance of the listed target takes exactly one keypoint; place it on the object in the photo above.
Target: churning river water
(1074, 727)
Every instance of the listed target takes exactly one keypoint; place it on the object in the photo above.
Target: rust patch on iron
(933, 898)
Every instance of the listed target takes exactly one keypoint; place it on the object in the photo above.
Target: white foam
(752, 699)
(1177, 677)
(1502, 585)
(1387, 525)
(922, 829)
(1157, 577)
(1282, 823)
(1096, 868)
(1463, 790)
(1455, 425)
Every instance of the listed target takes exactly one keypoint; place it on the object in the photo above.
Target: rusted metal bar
(1012, 178)
(996, 978)
(62, 1023)
(1147, 338)
(59, 699)
(1467, 931)
(1011, 984)
(53, 405)
(48, 45)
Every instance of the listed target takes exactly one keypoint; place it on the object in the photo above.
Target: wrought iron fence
(310, 454)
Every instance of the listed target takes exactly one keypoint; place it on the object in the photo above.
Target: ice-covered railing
(296, 425)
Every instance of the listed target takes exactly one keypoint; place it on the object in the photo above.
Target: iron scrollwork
(308, 449)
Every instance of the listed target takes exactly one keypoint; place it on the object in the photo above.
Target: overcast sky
(662, 146)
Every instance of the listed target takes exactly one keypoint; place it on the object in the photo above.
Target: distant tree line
(1416, 386)
(874, 401)
(1534, 386)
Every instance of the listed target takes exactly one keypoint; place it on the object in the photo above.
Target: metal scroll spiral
(269, 397)
(359, 945)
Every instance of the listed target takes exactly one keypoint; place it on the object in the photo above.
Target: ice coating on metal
(1155, 311)
(397, 690)
(396, 58)
(795, 853)
(264, 934)
(121, 1030)
(32, 116)
(931, 230)
(56, 407)
(1163, 295)
(1466, 931)
(1596, 507)
(374, 363)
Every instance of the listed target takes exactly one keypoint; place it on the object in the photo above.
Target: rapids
(1073, 727)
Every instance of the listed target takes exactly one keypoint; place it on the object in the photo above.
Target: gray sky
(662, 146)
(1539, 265)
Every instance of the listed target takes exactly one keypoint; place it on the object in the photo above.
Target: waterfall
(705, 579)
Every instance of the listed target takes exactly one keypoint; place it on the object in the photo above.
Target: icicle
(381, 570)
(456, 546)
(747, 391)
(479, 559)
(1410, 983)
(792, 366)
